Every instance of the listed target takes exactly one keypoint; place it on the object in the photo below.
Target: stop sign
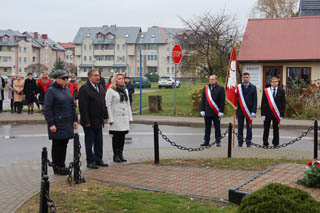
(177, 53)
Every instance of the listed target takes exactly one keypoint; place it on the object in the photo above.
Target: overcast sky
(61, 19)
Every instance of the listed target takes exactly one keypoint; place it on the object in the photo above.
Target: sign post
(176, 56)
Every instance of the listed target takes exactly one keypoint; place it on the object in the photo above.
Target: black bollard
(315, 149)
(76, 168)
(156, 142)
(229, 140)
(44, 162)
(44, 194)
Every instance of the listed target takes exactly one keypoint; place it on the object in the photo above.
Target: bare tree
(207, 42)
(71, 68)
(275, 8)
(36, 69)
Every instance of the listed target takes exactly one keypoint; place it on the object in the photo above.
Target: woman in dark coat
(61, 117)
(30, 91)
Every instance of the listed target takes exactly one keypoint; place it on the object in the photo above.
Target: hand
(220, 115)
(105, 121)
(263, 118)
(87, 125)
(202, 113)
(75, 125)
(253, 114)
(110, 123)
(53, 128)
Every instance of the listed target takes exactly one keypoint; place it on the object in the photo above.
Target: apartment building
(27, 52)
(69, 52)
(117, 49)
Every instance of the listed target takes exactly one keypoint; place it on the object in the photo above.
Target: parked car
(145, 82)
(167, 81)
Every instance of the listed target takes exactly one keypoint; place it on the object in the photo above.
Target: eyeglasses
(64, 78)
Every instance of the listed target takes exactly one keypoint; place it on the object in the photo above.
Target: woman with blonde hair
(119, 110)
(18, 96)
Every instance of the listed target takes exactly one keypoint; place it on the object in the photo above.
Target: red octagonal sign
(177, 53)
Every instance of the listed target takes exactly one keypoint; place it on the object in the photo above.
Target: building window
(5, 69)
(67, 57)
(24, 49)
(34, 59)
(25, 60)
(19, 49)
(90, 47)
(298, 76)
(5, 59)
(123, 58)
(168, 69)
(152, 69)
(90, 58)
(118, 46)
(85, 58)
(123, 47)
(19, 59)
(110, 47)
(118, 58)
(84, 47)
(19, 69)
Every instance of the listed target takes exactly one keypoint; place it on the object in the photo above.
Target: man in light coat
(11, 91)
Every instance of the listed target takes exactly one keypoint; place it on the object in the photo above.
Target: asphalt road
(24, 142)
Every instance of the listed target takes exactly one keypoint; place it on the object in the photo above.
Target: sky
(61, 19)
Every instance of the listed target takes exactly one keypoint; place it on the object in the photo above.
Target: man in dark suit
(93, 112)
(130, 88)
(247, 108)
(212, 109)
(272, 109)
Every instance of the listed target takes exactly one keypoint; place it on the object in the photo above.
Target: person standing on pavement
(130, 88)
(74, 88)
(18, 86)
(61, 117)
(212, 109)
(102, 82)
(11, 91)
(273, 106)
(119, 110)
(247, 107)
(2, 86)
(43, 84)
(93, 112)
(30, 91)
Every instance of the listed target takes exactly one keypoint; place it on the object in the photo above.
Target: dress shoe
(276, 146)
(121, 157)
(248, 145)
(60, 170)
(92, 166)
(205, 144)
(101, 163)
(218, 145)
(240, 145)
(116, 159)
(265, 146)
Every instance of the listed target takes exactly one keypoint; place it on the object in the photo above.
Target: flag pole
(234, 110)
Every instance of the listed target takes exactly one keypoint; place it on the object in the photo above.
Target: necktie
(274, 92)
(97, 88)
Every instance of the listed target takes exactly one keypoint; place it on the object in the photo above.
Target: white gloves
(220, 115)
(253, 114)
(202, 113)
(263, 118)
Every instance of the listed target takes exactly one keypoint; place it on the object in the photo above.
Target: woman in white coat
(119, 111)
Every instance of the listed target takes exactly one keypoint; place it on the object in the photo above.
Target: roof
(129, 33)
(281, 39)
(309, 8)
(11, 34)
(159, 35)
(67, 45)
(40, 41)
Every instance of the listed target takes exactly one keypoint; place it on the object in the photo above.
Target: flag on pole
(231, 83)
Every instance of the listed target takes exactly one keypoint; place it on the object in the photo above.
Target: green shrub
(152, 77)
(311, 177)
(278, 198)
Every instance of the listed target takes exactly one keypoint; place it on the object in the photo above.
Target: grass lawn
(95, 196)
(183, 100)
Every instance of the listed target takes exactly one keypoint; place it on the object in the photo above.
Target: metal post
(156, 142)
(44, 162)
(44, 193)
(76, 164)
(229, 140)
(140, 82)
(315, 149)
(175, 92)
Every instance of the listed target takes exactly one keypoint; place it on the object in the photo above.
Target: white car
(167, 81)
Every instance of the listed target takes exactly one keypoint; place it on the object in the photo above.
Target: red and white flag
(231, 83)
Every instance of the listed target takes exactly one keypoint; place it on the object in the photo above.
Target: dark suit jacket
(280, 101)
(250, 97)
(218, 95)
(92, 105)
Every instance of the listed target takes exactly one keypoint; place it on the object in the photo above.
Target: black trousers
(12, 105)
(59, 151)
(241, 119)
(208, 123)
(266, 129)
(1, 105)
(118, 141)
(93, 138)
(19, 106)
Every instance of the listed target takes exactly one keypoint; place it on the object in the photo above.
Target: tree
(59, 65)
(275, 8)
(36, 69)
(71, 68)
(207, 43)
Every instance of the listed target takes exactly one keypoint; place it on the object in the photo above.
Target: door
(269, 72)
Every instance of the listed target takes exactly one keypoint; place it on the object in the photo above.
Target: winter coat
(218, 96)
(119, 112)
(59, 110)
(2, 86)
(10, 89)
(30, 90)
(130, 89)
(92, 106)
(18, 86)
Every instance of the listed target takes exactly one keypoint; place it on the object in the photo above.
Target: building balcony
(103, 52)
(103, 63)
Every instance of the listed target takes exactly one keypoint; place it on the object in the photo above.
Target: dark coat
(130, 89)
(2, 90)
(92, 105)
(59, 110)
(250, 97)
(218, 95)
(280, 101)
(30, 90)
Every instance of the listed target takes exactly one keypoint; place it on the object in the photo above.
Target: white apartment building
(24, 52)
(117, 49)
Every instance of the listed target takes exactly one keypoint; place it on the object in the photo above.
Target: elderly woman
(61, 117)
(43, 84)
(30, 90)
(11, 91)
(119, 110)
(18, 86)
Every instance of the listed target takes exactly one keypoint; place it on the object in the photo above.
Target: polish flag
(231, 83)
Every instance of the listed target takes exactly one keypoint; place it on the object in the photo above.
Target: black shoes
(205, 144)
(92, 166)
(218, 145)
(121, 157)
(116, 159)
(101, 163)
(60, 170)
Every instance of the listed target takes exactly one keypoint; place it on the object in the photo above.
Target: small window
(19, 49)
(90, 58)
(85, 58)
(34, 59)
(123, 46)
(118, 46)
(25, 60)
(19, 59)
(5, 69)
(84, 47)
(24, 49)
(168, 69)
(90, 47)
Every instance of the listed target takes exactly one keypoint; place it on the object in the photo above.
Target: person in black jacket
(30, 91)
(212, 109)
(267, 114)
(93, 112)
(130, 88)
(249, 92)
(2, 86)
(61, 117)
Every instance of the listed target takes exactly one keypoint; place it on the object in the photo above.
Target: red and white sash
(272, 104)
(211, 102)
(243, 104)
